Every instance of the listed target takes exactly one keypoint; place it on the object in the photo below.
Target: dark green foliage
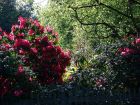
(8, 64)
(9, 13)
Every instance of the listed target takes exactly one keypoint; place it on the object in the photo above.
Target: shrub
(119, 62)
(114, 66)
(126, 62)
(14, 80)
(37, 45)
(30, 54)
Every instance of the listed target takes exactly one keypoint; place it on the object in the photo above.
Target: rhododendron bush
(13, 79)
(130, 54)
(34, 47)
(126, 62)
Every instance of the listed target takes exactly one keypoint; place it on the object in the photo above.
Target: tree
(25, 8)
(9, 13)
(116, 17)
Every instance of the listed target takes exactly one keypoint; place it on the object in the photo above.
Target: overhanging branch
(86, 6)
(109, 7)
(102, 4)
(94, 23)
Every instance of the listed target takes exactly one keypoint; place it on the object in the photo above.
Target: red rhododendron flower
(22, 22)
(124, 53)
(49, 48)
(130, 51)
(14, 28)
(21, 35)
(67, 58)
(50, 43)
(44, 40)
(0, 37)
(5, 34)
(37, 41)
(58, 68)
(31, 32)
(46, 57)
(30, 79)
(34, 50)
(20, 69)
(55, 34)
(48, 29)
(26, 61)
(59, 49)
(6, 46)
(121, 49)
(21, 52)
(44, 50)
(36, 22)
(41, 29)
(17, 43)
(25, 43)
(22, 43)
(18, 93)
(11, 37)
(65, 55)
(138, 41)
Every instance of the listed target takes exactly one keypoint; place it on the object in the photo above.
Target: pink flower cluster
(129, 52)
(37, 46)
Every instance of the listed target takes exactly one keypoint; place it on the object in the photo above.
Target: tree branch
(87, 6)
(109, 7)
(114, 31)
(102, 4)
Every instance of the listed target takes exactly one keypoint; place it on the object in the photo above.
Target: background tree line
(10, 10)
(92, 20)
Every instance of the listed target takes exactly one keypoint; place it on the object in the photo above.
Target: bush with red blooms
(14, 81)
(126, 61)
(35, 48)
